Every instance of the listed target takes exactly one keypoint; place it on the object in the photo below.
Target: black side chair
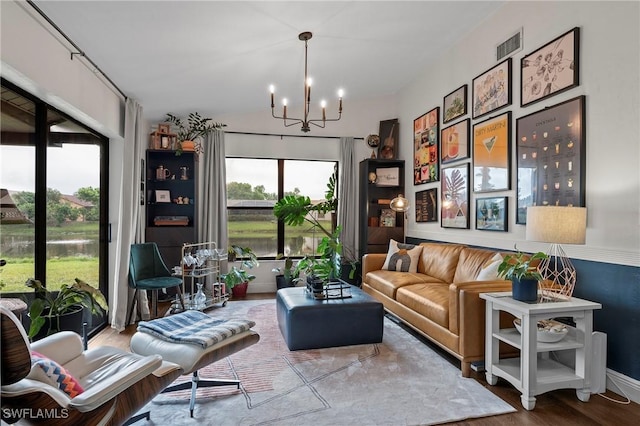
(147, 271)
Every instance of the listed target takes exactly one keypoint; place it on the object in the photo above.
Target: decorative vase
(524, 290)
(315, 284)
(200, 299)
(239, 291)
(188, 146)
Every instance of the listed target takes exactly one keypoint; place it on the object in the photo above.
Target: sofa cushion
(471, 262)
(489, 271)
(439, 260)
(402, 257)
(388, 282)
(430, 300)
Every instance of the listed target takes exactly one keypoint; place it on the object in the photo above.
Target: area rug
(400, 381)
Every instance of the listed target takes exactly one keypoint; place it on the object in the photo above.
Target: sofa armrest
(467, 310)
(372, 262)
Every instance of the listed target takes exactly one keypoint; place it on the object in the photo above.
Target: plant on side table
(522, 270)
(190, 134)
(48, 310)
(238, 278)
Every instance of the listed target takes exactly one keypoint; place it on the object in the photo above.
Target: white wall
(609, 70)
(69, 85)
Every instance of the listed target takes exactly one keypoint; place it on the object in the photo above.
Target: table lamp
(557, 225)
(401, 204)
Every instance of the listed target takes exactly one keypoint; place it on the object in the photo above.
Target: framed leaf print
(550, 69)
(425, 147)
(491, 90)
(551, 157)
(454, 144)
(492, 154)
(455, 197)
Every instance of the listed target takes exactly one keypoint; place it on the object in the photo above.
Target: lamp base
(558, 273)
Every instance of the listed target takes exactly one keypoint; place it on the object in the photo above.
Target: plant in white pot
(190, 134)
(522, 270)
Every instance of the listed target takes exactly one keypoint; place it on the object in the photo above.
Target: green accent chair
(147, 271)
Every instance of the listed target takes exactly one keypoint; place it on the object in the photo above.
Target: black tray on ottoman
(309, 323)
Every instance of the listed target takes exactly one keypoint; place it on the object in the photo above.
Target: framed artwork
(454, 104)
(491, 90)
(491, 214)
(427, 205)
(550, 152)
(164, 128)
(455, 142)
(550, 69)
(388, 147)
(425, 147)
(455, 197)
(163, 196)
(389, 176)
(492, 154)
(387, 218)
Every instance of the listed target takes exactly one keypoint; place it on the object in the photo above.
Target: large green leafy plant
(296, 210)
(51, 305)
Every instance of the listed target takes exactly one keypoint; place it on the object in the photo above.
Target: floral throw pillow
(402, 257)
(48, 371)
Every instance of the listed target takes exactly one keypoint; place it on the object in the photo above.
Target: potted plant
(288, 275)
(237, 279)
(191, 132)
(523, 272)
(296, 210)
(48, 310)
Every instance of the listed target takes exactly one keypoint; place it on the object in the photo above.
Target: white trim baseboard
(621, 384)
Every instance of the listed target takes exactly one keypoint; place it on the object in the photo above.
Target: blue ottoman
(307, 323)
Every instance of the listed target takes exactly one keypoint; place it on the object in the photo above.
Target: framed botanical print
(492, 154)
(454, 142)
(454, 104)
(455, 197)
(491, 90)
(427, 205)
(491, 214)
(425, 147)
(550, 69)
(551, 157)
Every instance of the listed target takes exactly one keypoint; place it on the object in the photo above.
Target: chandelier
(306, 121)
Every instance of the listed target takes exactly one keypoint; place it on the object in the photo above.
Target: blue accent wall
(617, 289)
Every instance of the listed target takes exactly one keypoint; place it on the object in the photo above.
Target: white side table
(534, 373)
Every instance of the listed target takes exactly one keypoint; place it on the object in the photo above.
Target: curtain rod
(79, 52)
(289, 136)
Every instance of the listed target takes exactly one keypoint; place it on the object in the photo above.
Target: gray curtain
(348, 197)
(212, 191)
(131, 227)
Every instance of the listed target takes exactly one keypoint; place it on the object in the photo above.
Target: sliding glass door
(53, 180)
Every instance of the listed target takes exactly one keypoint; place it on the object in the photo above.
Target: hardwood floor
(560, 407)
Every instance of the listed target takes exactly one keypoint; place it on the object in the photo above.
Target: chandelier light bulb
(323, 103)
(340, 93)
(272, 89)
(284, 101)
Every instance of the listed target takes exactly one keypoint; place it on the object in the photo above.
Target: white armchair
(115, 384)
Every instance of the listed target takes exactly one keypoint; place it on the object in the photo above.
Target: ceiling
(219, 57)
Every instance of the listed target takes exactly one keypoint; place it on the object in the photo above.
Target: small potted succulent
(522, 270)
(190, 133)
(238, 278)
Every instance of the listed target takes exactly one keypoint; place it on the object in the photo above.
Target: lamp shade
(556, 224)
(400, 204)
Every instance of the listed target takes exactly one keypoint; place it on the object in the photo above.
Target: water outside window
(252, 191)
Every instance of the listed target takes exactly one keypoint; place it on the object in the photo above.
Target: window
(253, 188)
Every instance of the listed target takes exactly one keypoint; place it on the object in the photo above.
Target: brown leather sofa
(441, 300)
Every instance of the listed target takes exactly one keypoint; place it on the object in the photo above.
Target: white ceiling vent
(510, 46)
